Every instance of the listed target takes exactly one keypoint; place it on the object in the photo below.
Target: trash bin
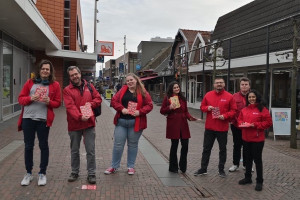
(108, 93)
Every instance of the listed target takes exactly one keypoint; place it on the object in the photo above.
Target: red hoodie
(227, 105)
(261, 120)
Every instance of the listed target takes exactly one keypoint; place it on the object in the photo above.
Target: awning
(147, 78)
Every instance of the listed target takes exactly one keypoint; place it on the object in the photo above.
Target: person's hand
(136, 113)
(46, 99)
(221, 117)
(193, 119)
(85, 118)
(172, 106)
(125, 111)
(210, 108)
(35, 97)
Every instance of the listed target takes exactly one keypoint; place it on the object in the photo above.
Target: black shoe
(258, 187)
(245, 181)
(91, 179)
(222, 173)
(200, 172)
(173, 171)
(73, 177)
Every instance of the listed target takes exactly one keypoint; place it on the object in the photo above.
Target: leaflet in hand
(215, 112)
(86, 110)
(41, 91)
(175, 100)
(245, 124)
(131, 107)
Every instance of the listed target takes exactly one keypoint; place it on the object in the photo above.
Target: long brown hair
(140, 89)
(52, 71)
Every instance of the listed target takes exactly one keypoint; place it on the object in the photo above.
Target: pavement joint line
(8, 149)
(156, 161)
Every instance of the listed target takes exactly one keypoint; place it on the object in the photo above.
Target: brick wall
(53, 12)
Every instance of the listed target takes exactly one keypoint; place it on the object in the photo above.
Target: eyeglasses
(219, 82)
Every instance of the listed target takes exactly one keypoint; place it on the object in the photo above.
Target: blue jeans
(29, 127)
(125, 131)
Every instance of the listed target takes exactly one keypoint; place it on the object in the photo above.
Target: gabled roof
(252, 15)
(187, 37)
(255, 15)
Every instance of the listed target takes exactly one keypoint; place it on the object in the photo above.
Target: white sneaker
(244, 168)
(27, 179)
(42, 180)
(233, 168)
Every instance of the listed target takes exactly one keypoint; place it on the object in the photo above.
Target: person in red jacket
(254, 119)
(38, 98)
(220, 107)
(132, 103)
(174, 106)
(79, 101)
(240, 99)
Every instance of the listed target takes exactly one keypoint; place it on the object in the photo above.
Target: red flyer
(245, 124)
(131, 107)
(41, 91)
(86, 110)
(215, 112)
(88, 187)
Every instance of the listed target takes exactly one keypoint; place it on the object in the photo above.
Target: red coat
(144, 107)
(227, 105)
(55, 100)
(73, 100)
(261, 120)
(176, 119)
(240, 101)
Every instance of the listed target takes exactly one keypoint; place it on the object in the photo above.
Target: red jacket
(261, 120)
(55, 100)
(73, 100)
(176, 119)
(240, 101)
(225, 102)
(144, 106)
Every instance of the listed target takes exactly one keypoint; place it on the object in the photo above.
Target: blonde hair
(140, 89)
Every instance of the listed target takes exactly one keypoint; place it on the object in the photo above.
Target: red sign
(105, 48)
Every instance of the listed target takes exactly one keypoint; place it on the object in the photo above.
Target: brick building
(32, 30)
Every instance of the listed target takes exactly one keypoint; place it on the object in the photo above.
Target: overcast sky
(141, 20)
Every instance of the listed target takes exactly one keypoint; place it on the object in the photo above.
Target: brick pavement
(281, 167)
(281, 164)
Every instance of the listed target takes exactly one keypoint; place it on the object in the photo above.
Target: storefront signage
(281, 121)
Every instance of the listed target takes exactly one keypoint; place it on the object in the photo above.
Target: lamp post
(124, 57)
(95, 25)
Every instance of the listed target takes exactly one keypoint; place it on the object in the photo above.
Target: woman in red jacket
(132, 103)
(38, 98)
(253, 120)
(175, 107)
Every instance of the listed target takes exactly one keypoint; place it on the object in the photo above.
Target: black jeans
(253, 151)
(173, 165)
(209, 139)
(29, 127)
(237, 145)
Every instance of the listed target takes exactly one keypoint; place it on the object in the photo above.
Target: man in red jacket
(220, 108)
(81, 122)
(240, 99)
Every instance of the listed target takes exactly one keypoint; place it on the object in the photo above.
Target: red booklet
(41, 91)
(131, 107)
(215, 112)
(86, 110)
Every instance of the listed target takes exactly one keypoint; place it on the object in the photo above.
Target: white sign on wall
(281, 121)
